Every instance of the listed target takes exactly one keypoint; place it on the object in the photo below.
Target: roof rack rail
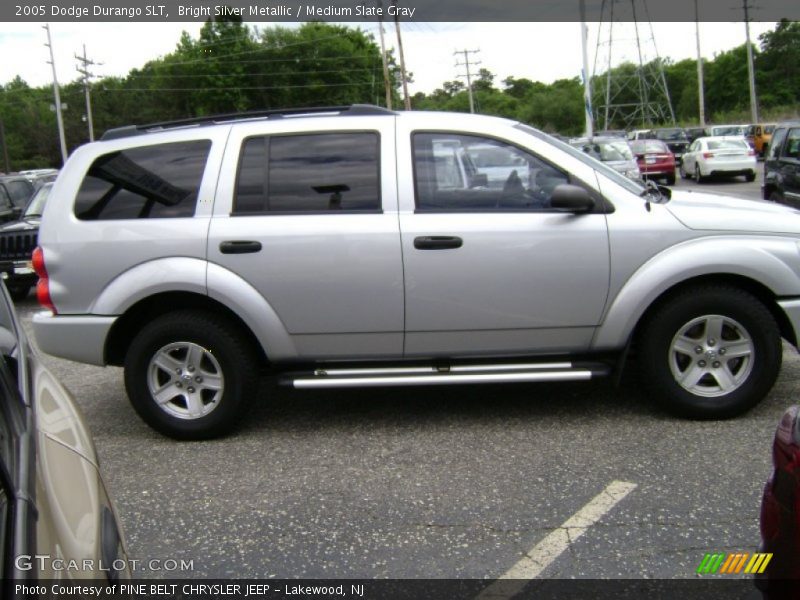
(353, 110)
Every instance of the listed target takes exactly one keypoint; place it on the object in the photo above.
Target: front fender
(771, 261)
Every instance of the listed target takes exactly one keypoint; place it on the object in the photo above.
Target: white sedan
(724, 155)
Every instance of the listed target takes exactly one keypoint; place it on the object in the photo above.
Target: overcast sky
(539, 51)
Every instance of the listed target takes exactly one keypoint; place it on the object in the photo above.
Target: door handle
(239, 247)
(438, 242)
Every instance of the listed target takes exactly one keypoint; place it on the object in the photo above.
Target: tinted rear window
(159, 181)
(325, 172)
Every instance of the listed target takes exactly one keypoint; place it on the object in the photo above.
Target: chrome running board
(447, 375)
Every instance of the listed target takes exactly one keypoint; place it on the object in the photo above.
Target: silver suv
(359, 247)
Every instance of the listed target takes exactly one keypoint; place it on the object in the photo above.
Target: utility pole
(386, 81)
(403, 75)
(750, 70)
(59, 118)
(468, 74)
(85, 63)
(700, 91)
(587, 84)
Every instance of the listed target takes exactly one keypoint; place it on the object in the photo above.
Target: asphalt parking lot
(445, 482)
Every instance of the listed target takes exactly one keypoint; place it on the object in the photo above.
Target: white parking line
(555, 543)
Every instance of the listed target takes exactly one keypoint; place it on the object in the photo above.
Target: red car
(655, 160)
(780, 507)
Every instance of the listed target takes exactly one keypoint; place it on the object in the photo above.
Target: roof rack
(354, 110)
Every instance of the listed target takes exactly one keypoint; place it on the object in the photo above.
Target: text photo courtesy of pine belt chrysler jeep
(358, 246)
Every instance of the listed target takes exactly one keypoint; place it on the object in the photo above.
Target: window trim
(283, 213)
(602, 205)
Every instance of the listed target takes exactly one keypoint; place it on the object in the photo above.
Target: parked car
(19, 189)
(692, 133)
(719, 156)
(17, 241)
(613, 151)
(726, 130)
(8, 211)
(780, 508)
(58, 521)
(655, 160)
(782, 166)
(641, 134)
(675, 139)
(325, 250)
(762, 134)
(614, 133)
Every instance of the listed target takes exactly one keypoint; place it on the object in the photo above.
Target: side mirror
(571, 198)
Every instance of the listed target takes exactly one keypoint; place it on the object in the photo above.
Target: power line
(257, 73)
(468, 74)
(199, 89)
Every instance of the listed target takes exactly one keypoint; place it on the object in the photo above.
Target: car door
(491, 268)
(789, 167)
(308, 217)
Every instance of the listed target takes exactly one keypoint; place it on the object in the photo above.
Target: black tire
(19, 291)
(776, 196)
(750, 177)
(671, 179)
(698, 177)
(682, 171)
(756, 373)
(219, 341)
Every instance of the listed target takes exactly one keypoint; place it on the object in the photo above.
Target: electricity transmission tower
(630, 89)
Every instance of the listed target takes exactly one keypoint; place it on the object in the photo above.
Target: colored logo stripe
(732, 564)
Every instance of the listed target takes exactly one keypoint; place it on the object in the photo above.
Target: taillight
(37, 261)
(43, 287)
(708, 155)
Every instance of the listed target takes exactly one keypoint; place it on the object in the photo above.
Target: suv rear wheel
(710, 352)
(190, 374)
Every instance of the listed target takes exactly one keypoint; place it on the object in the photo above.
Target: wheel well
(125, 327)
(760, 291)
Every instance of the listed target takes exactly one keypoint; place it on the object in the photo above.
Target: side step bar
(407, 376)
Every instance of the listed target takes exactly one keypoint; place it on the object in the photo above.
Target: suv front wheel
(710, 352)
(190, 375)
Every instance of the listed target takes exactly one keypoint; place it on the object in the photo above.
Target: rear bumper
(732, 167)
(78, 338)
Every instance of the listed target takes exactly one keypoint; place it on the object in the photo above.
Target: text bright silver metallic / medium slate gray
(365, 247)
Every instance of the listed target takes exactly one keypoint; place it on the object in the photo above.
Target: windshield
(769, 128)
(36, 205)
(670, 134)
(618, 178)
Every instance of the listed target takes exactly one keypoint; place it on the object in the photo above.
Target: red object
(708, 155)
(654, 158)
(780, 504)
(43, 286)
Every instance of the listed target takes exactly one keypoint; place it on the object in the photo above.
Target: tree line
(231, 67)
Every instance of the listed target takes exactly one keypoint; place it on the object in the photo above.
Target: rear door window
(321, 172)
(158, 181)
